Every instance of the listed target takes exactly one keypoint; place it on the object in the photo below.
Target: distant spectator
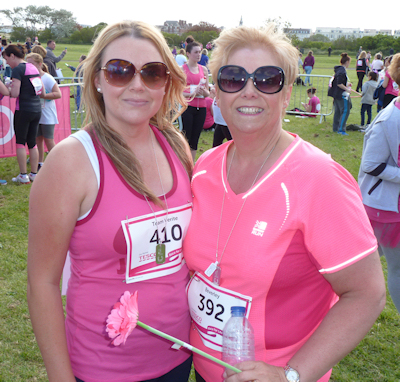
(49, 62)
(391, 87)
(329, 51)
(341, 93)
(308, 66)
(27, 87)
(51, 45)
(367, 99)
(300, 62)
(181, 58)
(377, 64)
(28, 44)
(209, 122)
(49, 119)
(174, 51)
(221, 131)
(391, 51)
(314, 104)
(361, 68)
(78, 74)
(204, 58)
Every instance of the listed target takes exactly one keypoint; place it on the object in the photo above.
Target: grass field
(375, 359)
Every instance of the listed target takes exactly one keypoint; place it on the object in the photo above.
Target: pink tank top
(98, 252)
(194, 79)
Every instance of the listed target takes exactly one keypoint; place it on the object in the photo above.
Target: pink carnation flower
(123, 318)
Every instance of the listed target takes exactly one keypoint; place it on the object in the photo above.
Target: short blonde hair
(265, 37)
(394, 68)
(113, 143)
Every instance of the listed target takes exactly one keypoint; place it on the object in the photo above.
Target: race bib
(37, 84)
(210, 308)
(154, 243)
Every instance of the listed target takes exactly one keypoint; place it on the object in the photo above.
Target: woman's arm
(345, 325)
(15, 88)
(54, 208)
(385, 82)
(4, 89)
(374, 160)
(54, 94)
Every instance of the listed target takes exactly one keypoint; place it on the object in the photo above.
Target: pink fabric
(209, 117)
(7, 109)
(389, 88)
(98, 257)
(314, 223)
(194, 79)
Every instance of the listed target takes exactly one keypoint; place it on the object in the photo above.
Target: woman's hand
(255, 371)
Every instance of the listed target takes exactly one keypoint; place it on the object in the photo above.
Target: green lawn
(375, 359)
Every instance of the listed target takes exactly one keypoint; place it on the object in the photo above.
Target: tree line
(52, 24)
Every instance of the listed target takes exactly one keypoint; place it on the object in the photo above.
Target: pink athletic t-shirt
(302, 219)
(315, 105)
(194, 79)
(98, 253)
(392, 88)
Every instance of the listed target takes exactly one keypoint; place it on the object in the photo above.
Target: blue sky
(322, 13)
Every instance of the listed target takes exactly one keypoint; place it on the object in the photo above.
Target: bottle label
(210, 308)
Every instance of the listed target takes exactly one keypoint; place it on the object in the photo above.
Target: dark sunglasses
(120, 72)
(267, 79)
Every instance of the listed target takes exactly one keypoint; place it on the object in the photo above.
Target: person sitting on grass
(314, 104)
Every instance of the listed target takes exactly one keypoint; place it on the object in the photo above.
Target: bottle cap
(238, 310)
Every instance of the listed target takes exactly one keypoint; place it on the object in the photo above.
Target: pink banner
(7, 108)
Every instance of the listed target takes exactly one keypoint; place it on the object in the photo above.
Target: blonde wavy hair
(266, 37)
(112, 142)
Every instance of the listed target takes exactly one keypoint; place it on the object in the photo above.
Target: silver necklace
(214, 269)
(160, 247)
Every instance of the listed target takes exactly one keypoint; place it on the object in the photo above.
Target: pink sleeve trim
(350, 261)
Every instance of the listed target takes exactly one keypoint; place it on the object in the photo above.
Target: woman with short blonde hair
(279, 240)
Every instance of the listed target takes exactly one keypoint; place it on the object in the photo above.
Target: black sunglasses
(267, 79)
(120, 72)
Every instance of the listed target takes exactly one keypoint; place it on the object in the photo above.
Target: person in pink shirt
(391, 87)
(277, 227)
(314, 104)
(116, 197)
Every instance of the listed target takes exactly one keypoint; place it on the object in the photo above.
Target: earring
(99, 89)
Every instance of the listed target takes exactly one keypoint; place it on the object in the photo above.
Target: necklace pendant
(160, 253)
(217, 275)
(211, 269)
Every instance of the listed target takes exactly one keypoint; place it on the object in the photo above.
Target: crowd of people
(265, 220)
(31, 82)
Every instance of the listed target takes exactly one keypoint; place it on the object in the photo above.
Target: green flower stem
(187, 346)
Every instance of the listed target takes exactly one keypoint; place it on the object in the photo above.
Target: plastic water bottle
(238, 338)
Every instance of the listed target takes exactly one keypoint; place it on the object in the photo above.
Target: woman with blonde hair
(49, 119)
(116, 196)
(286, 236)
